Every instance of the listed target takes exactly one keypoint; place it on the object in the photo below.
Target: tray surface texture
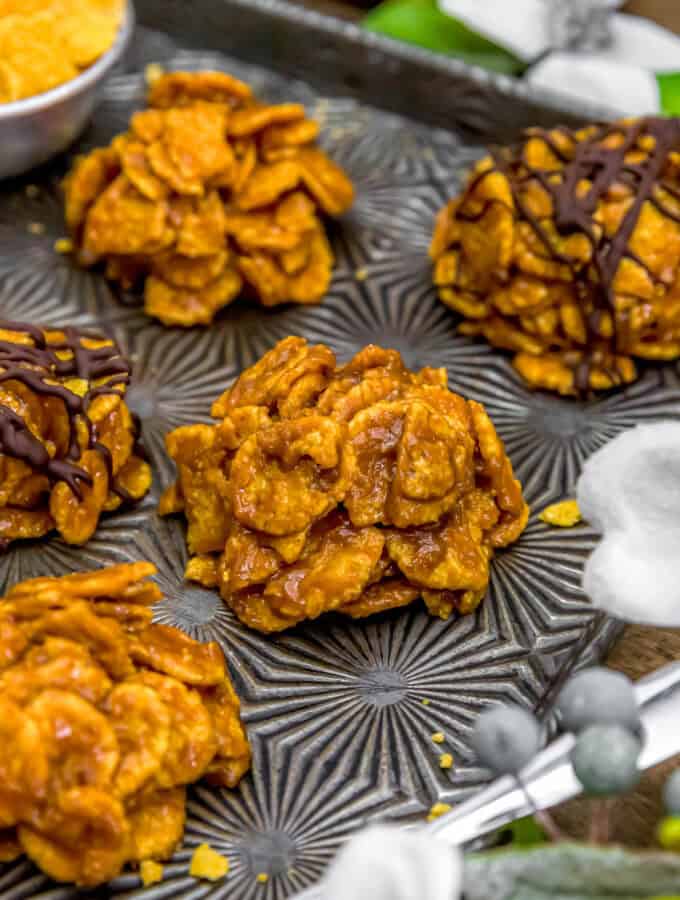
(333, 709)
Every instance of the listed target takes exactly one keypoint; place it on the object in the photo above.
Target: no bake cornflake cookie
(209, 194)
(355, 488)
(565, 248)
(104, 719)
(68, 442)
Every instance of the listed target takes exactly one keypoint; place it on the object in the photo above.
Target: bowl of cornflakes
(54, 58)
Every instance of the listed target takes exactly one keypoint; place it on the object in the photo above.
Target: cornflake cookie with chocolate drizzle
(565, 249)
(104, 719)
(210, 194)
(355, 488)
(68, 442)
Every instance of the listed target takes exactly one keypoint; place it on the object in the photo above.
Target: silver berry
(598, 696)
(671, 794)
(605, 759)
(506, 739)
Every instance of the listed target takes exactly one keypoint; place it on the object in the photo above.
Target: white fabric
(629, 491)
(620, 77)
(625, 89)
(387, 863)
(639, 42)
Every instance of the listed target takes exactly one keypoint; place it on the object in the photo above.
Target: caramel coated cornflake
(565, 250)
(354, 488)
(210, 193)
(104, 718)
(68, 442)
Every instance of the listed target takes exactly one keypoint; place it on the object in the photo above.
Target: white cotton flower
(626, 89)
(389, 863)
(629, 491)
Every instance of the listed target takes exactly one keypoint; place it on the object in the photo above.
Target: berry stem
(548, 824)
(542, 816)
(600, 821)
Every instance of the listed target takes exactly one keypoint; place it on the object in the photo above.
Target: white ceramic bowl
(37, 128)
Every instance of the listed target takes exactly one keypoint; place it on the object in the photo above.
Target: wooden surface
(640, 650)
(666, 12)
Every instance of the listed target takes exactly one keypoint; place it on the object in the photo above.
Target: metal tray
(333, 709)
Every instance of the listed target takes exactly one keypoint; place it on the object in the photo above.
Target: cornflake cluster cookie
(68, 442)
(356, 488)
(565, 249)
(104, 718)
(210, 193)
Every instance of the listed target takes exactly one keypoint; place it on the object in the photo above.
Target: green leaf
(668, 832)
(523, 833)
(421, 22)
(669, 92)
(570, 872)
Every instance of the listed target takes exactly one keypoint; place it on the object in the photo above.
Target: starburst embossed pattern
(340, 713)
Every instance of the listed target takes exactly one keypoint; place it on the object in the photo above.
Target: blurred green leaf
(669, 92)
(523, 833)
(571, 872)
(421, 22)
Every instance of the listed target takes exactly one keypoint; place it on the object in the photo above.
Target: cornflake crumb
(564, 514)
(208, 863)
(63, 245)
(36, 227)
(32, 191)
(438, 737)
(153, 72)
(438, 810)
(425, 701)
(150, 872)
(445, 761)
(361, 274)
(263, 878)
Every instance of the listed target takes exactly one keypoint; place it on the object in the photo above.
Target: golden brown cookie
(354, 488)
(209, 194)
(105, 718)
(565, 250)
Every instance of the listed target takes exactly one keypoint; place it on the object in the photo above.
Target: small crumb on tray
(425, 701)
(564, 514)
(438, 737)
(150, 872)
(361, 274)
(445, 761)
(208, 863)
(153, 72)
(63, 245)
(36, 228)
(263, 878)
(439, 809)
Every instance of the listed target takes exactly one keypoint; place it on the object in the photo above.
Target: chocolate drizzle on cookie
(40, 367)
(590, 164)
